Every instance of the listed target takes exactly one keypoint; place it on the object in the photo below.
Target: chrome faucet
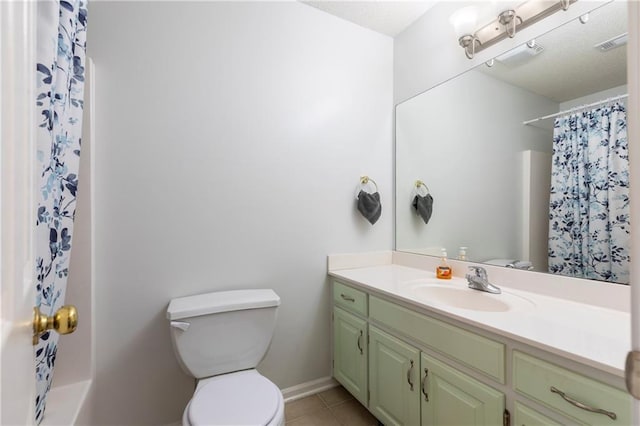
(479, 280)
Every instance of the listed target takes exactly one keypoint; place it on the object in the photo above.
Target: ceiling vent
(612, 43)
(520, 54)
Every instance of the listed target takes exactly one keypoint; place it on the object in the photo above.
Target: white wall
(427, 53)
(536, 181)
(471, 162)
(595, 97)
(229, 142)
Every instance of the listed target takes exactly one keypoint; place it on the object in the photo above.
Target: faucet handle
(479, 271)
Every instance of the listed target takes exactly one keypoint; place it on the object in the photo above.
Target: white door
(17, 209)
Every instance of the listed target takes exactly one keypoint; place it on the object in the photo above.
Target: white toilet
(219, 338)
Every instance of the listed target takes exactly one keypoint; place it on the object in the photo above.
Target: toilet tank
(222, 332)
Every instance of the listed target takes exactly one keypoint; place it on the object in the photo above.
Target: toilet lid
(235, 399)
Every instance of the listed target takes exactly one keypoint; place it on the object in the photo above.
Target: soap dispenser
(443, 271)
(462, 253)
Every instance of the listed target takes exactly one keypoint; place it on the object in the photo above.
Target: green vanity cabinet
(387, 374)
(394, 379)
(450, 397)
(350, 353)
(412, 368)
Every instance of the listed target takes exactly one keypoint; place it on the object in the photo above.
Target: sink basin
(454, 295)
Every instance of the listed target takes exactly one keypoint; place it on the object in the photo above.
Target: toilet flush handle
(180, 324)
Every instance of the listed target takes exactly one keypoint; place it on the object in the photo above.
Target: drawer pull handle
(424, 385)
(359, 344)
(409, 371)
(582, 406)
(347, 298)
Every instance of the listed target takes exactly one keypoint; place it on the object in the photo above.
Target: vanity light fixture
(505, 25)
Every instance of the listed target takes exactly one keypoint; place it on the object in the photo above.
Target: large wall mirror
(497, 183)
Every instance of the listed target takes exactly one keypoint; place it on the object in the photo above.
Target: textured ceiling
(386, 17)
(570, 67)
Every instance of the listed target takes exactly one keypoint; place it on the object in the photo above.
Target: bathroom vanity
(416, 350)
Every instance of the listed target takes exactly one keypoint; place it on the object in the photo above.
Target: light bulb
(464, 20)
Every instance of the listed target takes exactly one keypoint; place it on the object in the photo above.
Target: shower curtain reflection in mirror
(589, 225)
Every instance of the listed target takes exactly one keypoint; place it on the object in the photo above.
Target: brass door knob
(64, 321)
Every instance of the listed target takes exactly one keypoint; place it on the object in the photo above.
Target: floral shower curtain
(589, 205)
(60, 58)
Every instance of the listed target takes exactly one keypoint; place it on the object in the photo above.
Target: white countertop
(589, 334)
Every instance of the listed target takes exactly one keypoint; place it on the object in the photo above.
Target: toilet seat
(242, 398)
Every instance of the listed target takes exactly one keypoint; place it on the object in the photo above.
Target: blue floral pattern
(589, 227)
(61, 47)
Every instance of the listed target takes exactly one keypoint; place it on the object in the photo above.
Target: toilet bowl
(219, 338)
(242, 398)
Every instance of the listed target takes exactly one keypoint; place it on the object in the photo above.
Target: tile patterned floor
(334, 407)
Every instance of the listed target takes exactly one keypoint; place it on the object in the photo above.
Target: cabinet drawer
(536, 379)
(475, 351)
(350, 298)
(525, 416)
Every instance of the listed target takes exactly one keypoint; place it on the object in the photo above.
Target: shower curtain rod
(604, 101)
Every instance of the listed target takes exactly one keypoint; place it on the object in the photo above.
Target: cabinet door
(394, 380)
(452, 398)
(350, 353)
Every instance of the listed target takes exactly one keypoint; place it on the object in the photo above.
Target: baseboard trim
(308, 388)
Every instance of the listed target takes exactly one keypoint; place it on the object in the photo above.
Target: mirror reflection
(526, 160)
